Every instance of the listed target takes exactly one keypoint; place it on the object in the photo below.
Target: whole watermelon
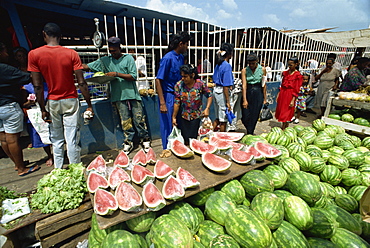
(355, 157)
(319, 125)
(298, 213)
(334, 116)
(302, 184)
(256, 181)
(347, 202)
(351, 177)
(318, 165)
(218, 205)
(282, 194)
(277, 174)
(289, 165)
(313, 151)
(209, 230)
(320, 243)
(324, 225)
(235, 190)
(199, 199)
(120, 239)
(186, 214)
(141, 223)
(357, 191)
(344, 238)
(287, 235)
(344, 219)
(331, 174)
(347, 118)
(223, 241)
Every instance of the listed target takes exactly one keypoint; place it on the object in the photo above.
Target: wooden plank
(351, 103)
(207, 179)
(74, 242)
(64, 219)
(347, 125)
(65, 234)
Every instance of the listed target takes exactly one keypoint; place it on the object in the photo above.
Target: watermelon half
(187, 180)
(98, 164)
(150, 156)
(139, 158)
(104, 202)
(241, 157)
(173, 189)
(96, 181)
(267, 150)
(181, 150)
(232, 136)
(162, 170)
(215, 163)
(152, 197)
(122, 160)
(201, 147)
(140, 174)
(256, 154)
(116, 176)
(128, 198)
(219, 143)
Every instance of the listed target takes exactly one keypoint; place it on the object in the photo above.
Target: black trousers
(189, 129)
(251, 114)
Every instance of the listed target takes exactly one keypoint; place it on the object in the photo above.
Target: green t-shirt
(121, 89)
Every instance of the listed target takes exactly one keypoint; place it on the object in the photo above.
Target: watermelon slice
(150, 156)
(237, 146)
(181, 150)
(220, 144)
(256, 154)
(140, 174)
(104, 202)
(173, 189)
(267, 150)
(153, 198)
(128, 198)
(215, 163)
(232, 136)
(116, 176)
(122, 160)
(240, 157)
(186, 179)
(201, 147)
(98, 164)
(162, 170)
(95, 181)
(139, 158)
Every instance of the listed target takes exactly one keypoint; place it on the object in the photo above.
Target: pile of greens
(60, 189)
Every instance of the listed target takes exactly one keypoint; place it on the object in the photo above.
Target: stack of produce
(308, 197)
(350, 115)
(361, 94)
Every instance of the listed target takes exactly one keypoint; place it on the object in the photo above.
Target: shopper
(303, 94)
(356, 76)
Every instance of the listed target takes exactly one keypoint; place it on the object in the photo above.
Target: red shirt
(57, 65)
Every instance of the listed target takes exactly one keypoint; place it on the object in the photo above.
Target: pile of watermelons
(350, 115)
(307, 197)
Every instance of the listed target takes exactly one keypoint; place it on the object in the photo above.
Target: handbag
(266, 113)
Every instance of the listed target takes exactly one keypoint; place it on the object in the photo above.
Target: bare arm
(244, 88)
(227, 97)
(206, 110)
(127, 77)
(176, 108)
(82, 85)
(39, 90)
(265, 86)
(162, 102)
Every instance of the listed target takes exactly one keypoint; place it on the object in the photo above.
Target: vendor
(356, 76)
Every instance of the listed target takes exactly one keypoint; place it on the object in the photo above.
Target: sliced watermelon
(139, 158)
(150, 156)
(162, 170)
(152, 197)
(215, 163)
(140, 174)
(201, 147)
(116, 176)
(186, 179)
(219, 143)
(237, 146)
(232, 136)
(95, 181)
(173, 189)
(104, 202)
(181, 150)
(267, 150)
(256, 154)
(128, 198)
(241, 157)
(122, 160)
(98, 164)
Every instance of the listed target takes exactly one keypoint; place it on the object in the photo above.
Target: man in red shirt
(58, 65)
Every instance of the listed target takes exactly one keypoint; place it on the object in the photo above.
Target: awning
(355, 38)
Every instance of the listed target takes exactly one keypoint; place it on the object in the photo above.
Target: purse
(266, 113)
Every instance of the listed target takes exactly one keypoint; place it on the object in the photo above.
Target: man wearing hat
(124, 92)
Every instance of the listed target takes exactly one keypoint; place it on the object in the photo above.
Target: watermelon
(324, 225)
(187, 180)
(173, 189)
(162, 170)
(347, 202)
(301, 142)
(240, 157)
(224, 240)
(95, 181)
(364, 168)
(201, 147)
(179, 149)
(289, 165)
(139, 158)
(325, 155)
(235, 190)
(270, 208)
(284, 152)
(199, 213)
(141, 175)
(200, 198)
(336, 150)
(267, 150)
(282, 194)
(272, 137)
(304, 160)
(308, 136)
(313, 151)
(365, 226)
(215, 163)
(323, 142)
(318, 165)
(152, 197)
(120, 239)
(339, 161)
(331, 174)
(208, 230)
(277, 174)
(283, 140)
(344, 219)
(116, 176)
(98, 165)
(331, 193)
(246, 202)
(141, 223)
(122, 160)
(355, 157)
(104, 202)
(287, 235)
(219, 143)
(247, 228)
(218, 205)
(302, 184)
(331, 132)
(321, 243)
(236, 146)
(128, 198)
(344, 238)
(250, 139)
(365, 176)
(140, 239)
(298, 213)
(347, 118)
(150, 156)
(298, 128)
(185, 213)
(230, 136)
(255, 182)
(322, 202)
(277, 130)
(319, 124)
(366, 142)
(291, 133)
(253, 151)
(357, 191)
(334, 116)
(340, 190)
(351, 177)
(294, 148)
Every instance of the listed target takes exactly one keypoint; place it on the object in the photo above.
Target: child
(304, 91)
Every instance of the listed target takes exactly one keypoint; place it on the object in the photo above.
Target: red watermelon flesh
(232, 136)
(139, 158)
(162, 170)
(215, 163)
(237, 146)
(97, 164)
(122, 160)
(127, 197)
(95, 181)
(201, 147)
(186, 179)
(256, 154)
(118, 175)
(140, 174)
(150, 156)
(240, 157)
(181, 150)
(104, 202)
(219, 143)
(267, 150)
(153, 198)
(172, 189)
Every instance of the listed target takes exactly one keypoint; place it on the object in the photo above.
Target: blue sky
(278, 14)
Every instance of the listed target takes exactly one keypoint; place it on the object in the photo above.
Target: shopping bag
(174, 135)
(266, 113)
(230, 115)
(205, 127)
(41, 127)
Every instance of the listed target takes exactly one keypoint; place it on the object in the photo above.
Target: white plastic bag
(41, 127)
(14, 208)
(174, 135)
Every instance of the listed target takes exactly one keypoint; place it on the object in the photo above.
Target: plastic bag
(205, 126)
(174, 135)
(41, 127)
(266, 113)
(230, 115)
(14, 208)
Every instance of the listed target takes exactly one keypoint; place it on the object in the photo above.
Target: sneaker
(292, 120)
(310, 111)
(146, 145)
(127, 147)
(296, 121)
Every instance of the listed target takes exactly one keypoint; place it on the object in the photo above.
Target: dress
(289, 87)
(327, 81)
(302, 97)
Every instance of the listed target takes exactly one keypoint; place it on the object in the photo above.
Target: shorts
(11, 118)
(220, 105)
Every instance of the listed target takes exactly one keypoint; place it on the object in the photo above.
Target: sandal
(30, 170)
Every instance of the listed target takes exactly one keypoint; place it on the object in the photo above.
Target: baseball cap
(114, 42)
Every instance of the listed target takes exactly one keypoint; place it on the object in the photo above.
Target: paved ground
(10, 179)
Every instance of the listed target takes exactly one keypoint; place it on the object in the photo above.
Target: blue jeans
(132, 114)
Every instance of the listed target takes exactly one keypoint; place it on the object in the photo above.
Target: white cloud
(230, 4)
(271, 19)
(299, 13)
(222, 14)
